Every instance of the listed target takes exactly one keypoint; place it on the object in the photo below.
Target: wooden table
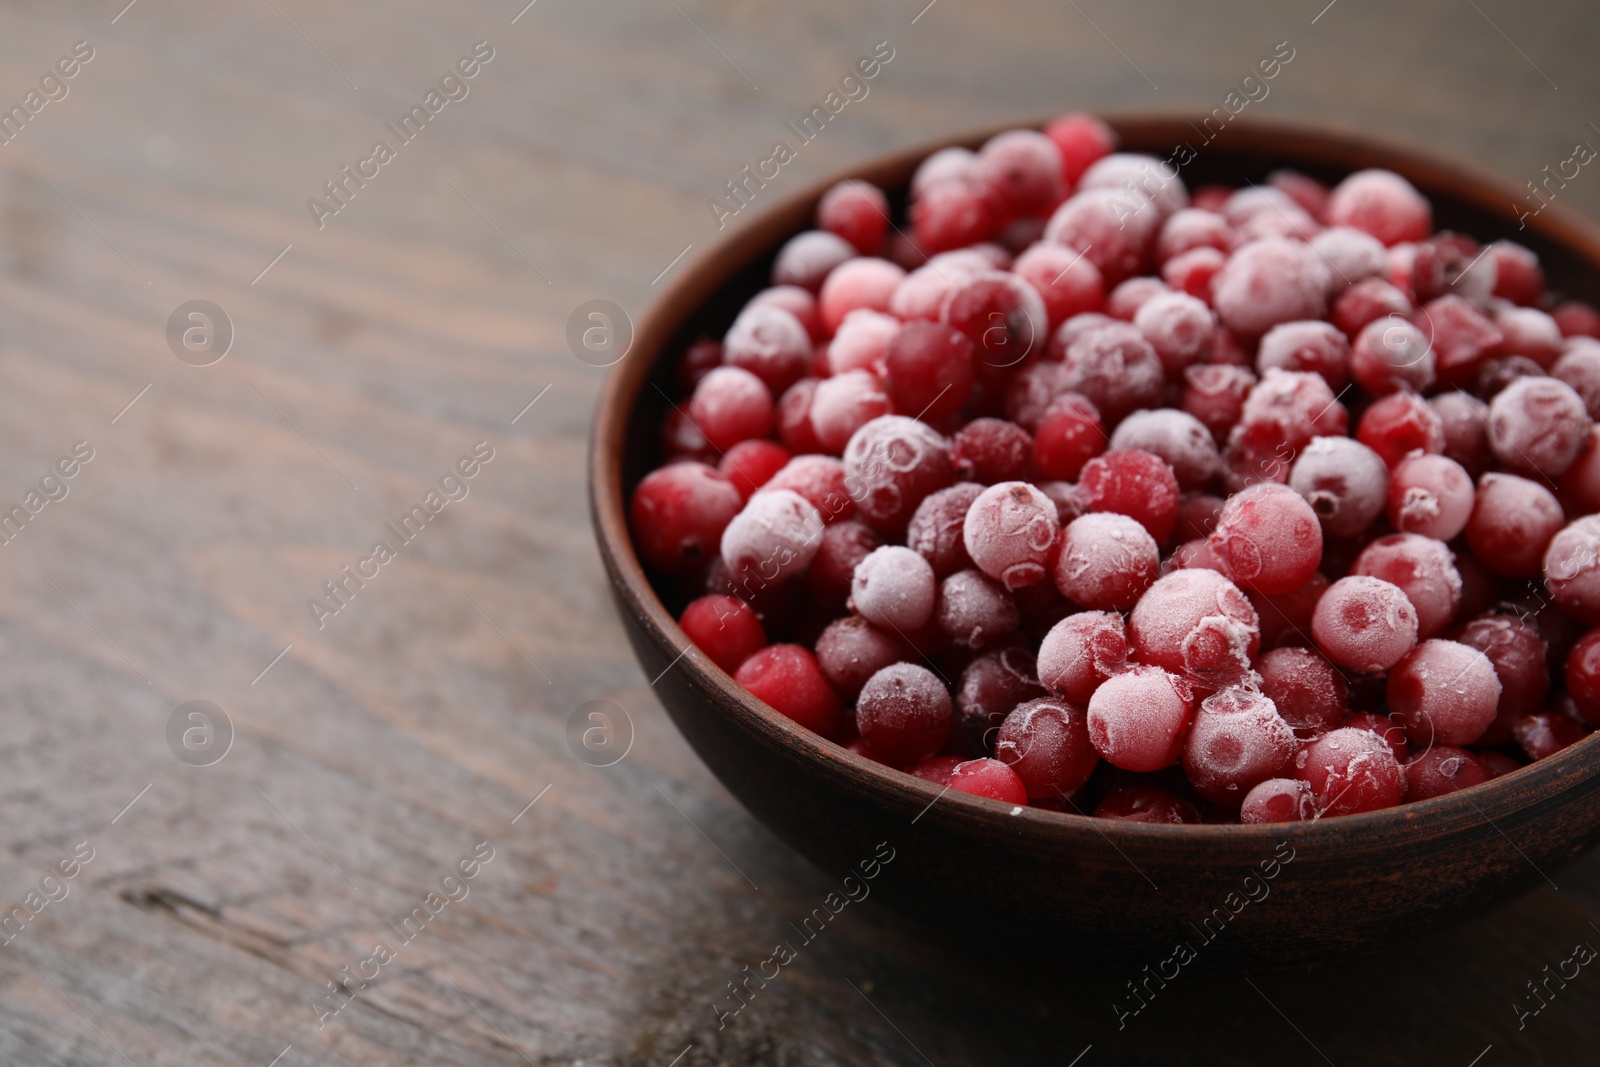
(371, 755)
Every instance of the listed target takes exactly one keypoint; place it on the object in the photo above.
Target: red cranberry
(1137, 719)
(1512, 522)
(989, 778)
(1279, 800)
(1046, 742)
(751, 464)
(1106, 562)
(1537, 427)
(1381, 203)
(1577, 319)
(1443, 692)
(1546, 733)
(992, 450)
(1237, 741)
(857, 211)
(856, 283)
(1146, 804)
(1068, 436)
(1518, 277)
(1517, 651)
(1351, 771)
(975, 610)
(1113, 228)
(937, 769)
(991, 685)
(845, 403)
(1443, 769)
(937, 528)
(1083, 650)
(1196, 623)
(1461, 338)
(1286, 619)
(1572, 569)
(1270, 281)
(1023, 169)
(770, 343)
(1002, 315)
(1067, 281)
(810, 257)
(1115, 368)
(1579, 367)
(1133, 483)
(1430, 495)
(1216, 394)
(890, 464)
(788, 679)
(1399, 424)
(1010, 531)
(851, 650)
(1269, 537)
(1194, 271)
(1344, 481)
(1389, 354)
(1306, 689)
(1423, 569)
(1583, 676)
(1081, 139)
(821, 480)
(1313, 347)
(1366, 302)
(678, 514)
(1364, 624)
(724, 628)
(904, 713)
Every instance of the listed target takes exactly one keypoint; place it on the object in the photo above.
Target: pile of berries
(1097, 494)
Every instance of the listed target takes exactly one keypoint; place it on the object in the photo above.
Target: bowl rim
(1330, 145)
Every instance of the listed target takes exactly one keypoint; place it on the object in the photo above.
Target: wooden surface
(421, 720)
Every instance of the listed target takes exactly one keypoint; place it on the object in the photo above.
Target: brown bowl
(1024, 878)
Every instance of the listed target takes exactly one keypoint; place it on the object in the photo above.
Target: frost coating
(775, 537)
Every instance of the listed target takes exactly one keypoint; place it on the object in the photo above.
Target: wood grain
(380, 750)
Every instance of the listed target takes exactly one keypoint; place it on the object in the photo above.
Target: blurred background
(348, 767)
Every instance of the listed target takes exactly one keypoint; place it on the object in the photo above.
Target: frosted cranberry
(1116, 368)
(844, 545)
(1068, 436)
(1177, 438)
(794, 418)
(1106, 562)
(1123, 302)
(1270, 281)
(1010, 532)
(1133, 483)
(1512, 522)
(1196, 623)
(851, 650)
(770, 343)
(1381, 203)
(1443, 769)
(937, 530)
(991, 685)
(1498, 763)
(1031, 392)
(1189, 229)
(1072, 329)
(1137, 720)
(857, 211)
(1464, 420)
(1151, 177)
(1344, 481)
(992, 450)
(861, 342)
(1286, 618)
(731, 405)
(1423, 569)
(1279, 800)
(989, 778)
(1242, 205)
(1580, 486)
(1146, 804)
(1351, 255)
(1001, 314)
(678, 514)
(845, 403)
(1083, 650)
(919, 297)
(1195, 553)
(1443, 692)
(821, 480)
(1366, 302)
(975, 610)
(1577, 319)
(1285, 410)
(801, 303)
(1113, 228)
(1390, 354)
(1518, 276)
(1546, 733)
(774, 538)
(1197, 515)
(1572, 569)
(1537, 426)
(1517, 652)
(1216, 395)
(1022, 169)
(1351, 770)
(1068, 282)
(1046, 742)
(859, 283)
(890, 464)
(1496, 375)
(1582, 674)
(787, 678)
(1081, 140)
(1312, 347)
(808, 258)
(953, 213)
(945, 164)
(1237, 741)
(1178, 326)
(1269, 537)
(1194, 271)
(724, 628)
(1530, 332)
(937, 769)
(1396, 425)
(895, 588)
(1579, 367)
(1308, 692)
(904, 713)
(1461, 339)
(681, 439)
(1430, 495)
(699, 360)
(1364, 624)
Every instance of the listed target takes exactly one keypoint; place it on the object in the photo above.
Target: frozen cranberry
(1364, 624)
(1081, 140)
(845, 403)
(1001, 314)
(975, 610)
(1123, 302)
(821, 480)
(1423, 569)
(895, 588)
(681, 438)
(775, 537)
(1517, 651)
(857, 211)
(1046, 742)
(1518, 276)
(1580, 486)
(1443, 692)
(1133, 483)
(844, 545)
(1146, 804)
(1385, 728)
(1512, 522)
(904, 713)
(1284, 411)
(1237, 741)
(1022, 168)
(937, 769)
(724, 628)
(1582, 674)
(1537, 426)
(788, 679)
(1344, 481)
(810, 257)
(1175, 437)
(989, 778)
(1010, 531)
(1189, 229)
(1269, 537)
(1390, 354)
(1312, 347)
(1443, 769)
(801, 303)
(1279, 800)
(1430, 495)
(770, 343)
(1532, 333)
(1195, 553)
(992, 450)
(1460, 339)
(1396, 425)
(1115, 368)
(861, 342)
(1178, 326)
(1153, 178)
(1114, 229)
(1216, 394)
(1269, 281)
(953, 213)
(794, 418)
(1546, 733)
(945, 164)
(1572, 569)
(936, 531)
(920, 296)
(678, 514)
(1464, 420)
(890, 464)
(751, 464)
(1496, 374)
(991, 685)
(1068, 436)
(1193, 271)
(699, 359)
(1067, 281)
(1368, 301)
(731, 405)
(1577, 319)
(1137, 719)
(1083, 650)
(858, 283)
(1106, 562)
(1352, 255)
(1197, 515)
(1381, 203)
(1579, 367)
(1286, 619)
(1351, 771)
(1031, 392)
(1308, 692)
(1196, 623)
(851, 650)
